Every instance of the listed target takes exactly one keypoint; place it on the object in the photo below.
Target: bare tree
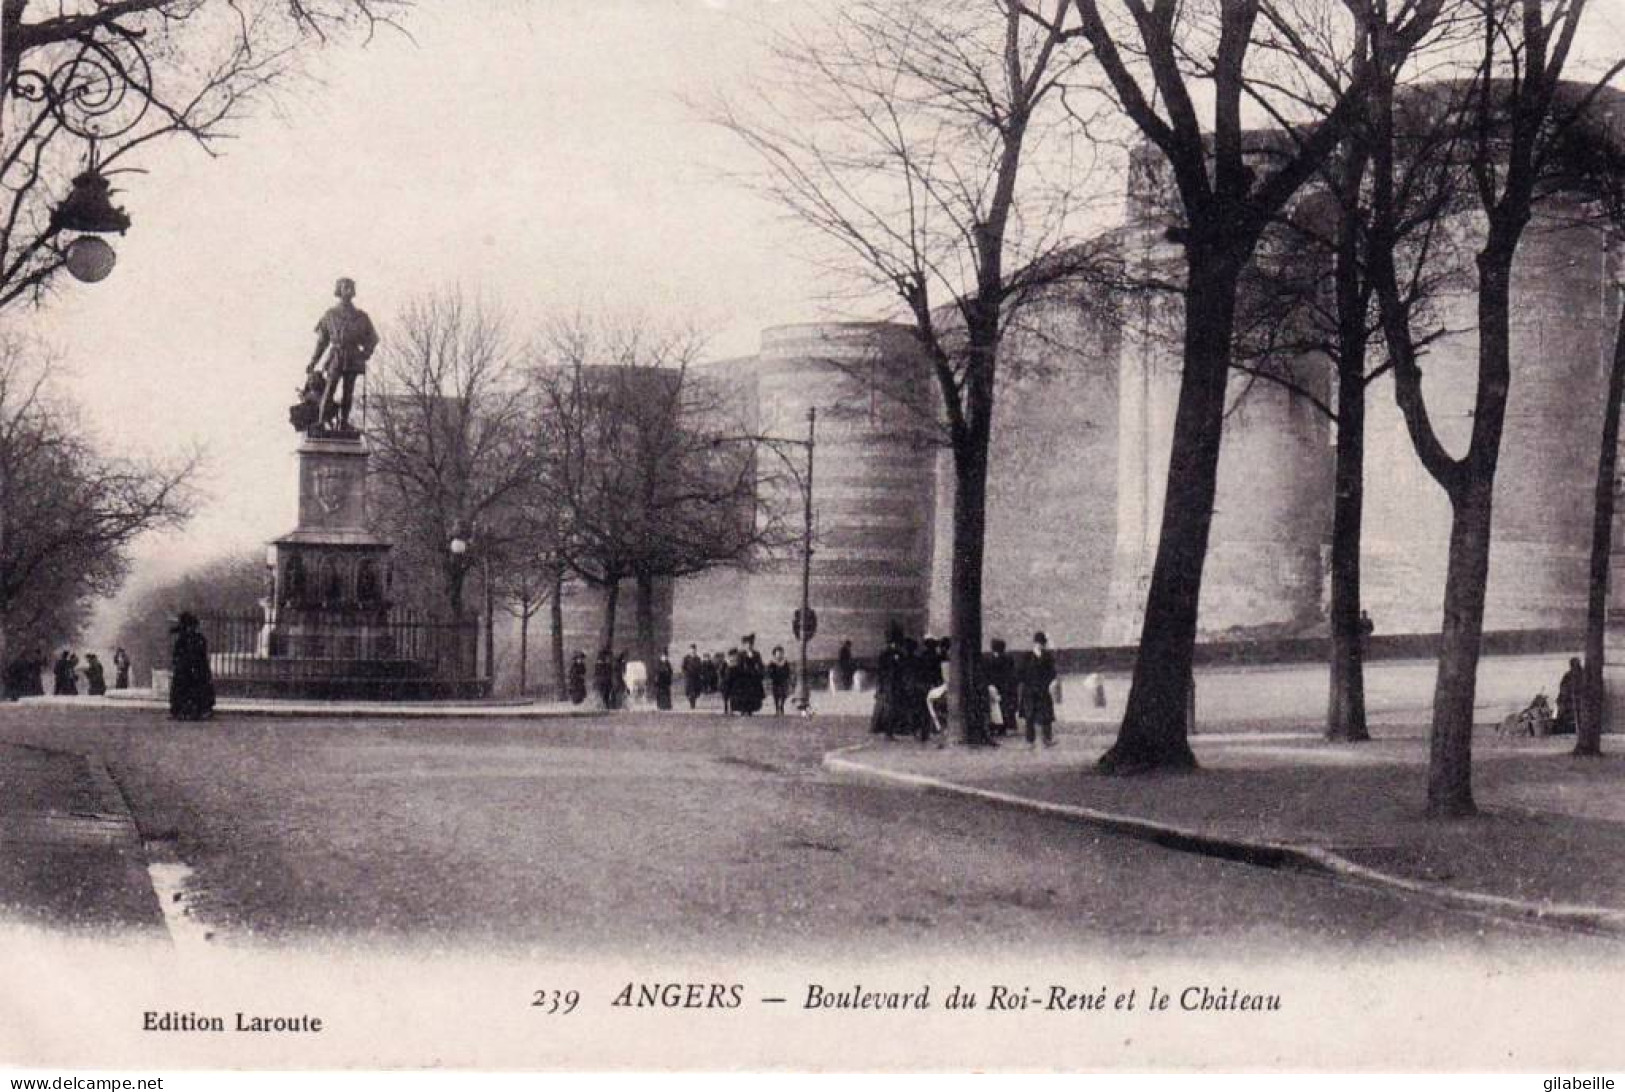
(68, 511)
(129, 76)
(230, 585)
(1161, 58)
(932, 148)
(1511, 114)
(451, 436)
(1307, 298)
(633, 464)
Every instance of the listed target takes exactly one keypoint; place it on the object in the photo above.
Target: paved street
(642, 832)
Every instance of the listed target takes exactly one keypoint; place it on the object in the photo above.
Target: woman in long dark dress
(747, 693)
(191, 684)
(578, 678)
(663, 680)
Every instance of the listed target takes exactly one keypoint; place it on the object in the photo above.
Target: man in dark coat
(191, 684)
(779, 675)
(662, 681)
(1034, 676)
(888, 669)
(1000, 671)
(845, 667)
(693, 676)
(62, 674)
(121, 669)
(603, 680)
(1569, 689)
(95, 676)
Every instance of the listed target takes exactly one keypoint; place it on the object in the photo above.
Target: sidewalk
(1548, 844)
(70, 855)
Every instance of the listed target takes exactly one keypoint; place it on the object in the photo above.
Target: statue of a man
(346, 335)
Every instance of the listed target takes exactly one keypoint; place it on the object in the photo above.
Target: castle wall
(1052, 480)
(872, 483)
(1561, 344)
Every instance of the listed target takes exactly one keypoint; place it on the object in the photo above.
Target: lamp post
(805, 621)
(459, 546)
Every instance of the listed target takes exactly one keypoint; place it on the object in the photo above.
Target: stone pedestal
(332, 576)
(328, 630)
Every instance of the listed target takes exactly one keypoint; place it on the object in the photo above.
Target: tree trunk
(644, 611)
(1588, 733)
(490, 628)
(524, 647)
(612, 596)
(967, 698)
(1154, 734)
(561, 682)
(1345, 709)
(1450, 740)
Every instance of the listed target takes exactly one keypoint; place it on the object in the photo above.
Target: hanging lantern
(88, 207)
(90, 259)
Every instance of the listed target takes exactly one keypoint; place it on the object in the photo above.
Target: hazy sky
(539, 152)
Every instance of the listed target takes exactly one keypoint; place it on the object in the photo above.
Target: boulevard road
(649, 832)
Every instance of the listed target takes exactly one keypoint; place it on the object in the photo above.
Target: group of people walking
(25, 674)
(912, 679)
(742, 679)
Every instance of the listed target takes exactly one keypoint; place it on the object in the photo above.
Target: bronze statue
(346, 335)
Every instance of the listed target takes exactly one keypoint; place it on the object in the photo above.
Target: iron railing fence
(402, 644)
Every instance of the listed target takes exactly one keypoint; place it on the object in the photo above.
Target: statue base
(329, 630)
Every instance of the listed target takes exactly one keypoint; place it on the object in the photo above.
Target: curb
(401, 711)
(1258, 852)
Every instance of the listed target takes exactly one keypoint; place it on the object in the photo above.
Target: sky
(540, 154)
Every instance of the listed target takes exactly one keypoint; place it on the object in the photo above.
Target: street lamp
(459, 546)
(804, 624)
(97, 88)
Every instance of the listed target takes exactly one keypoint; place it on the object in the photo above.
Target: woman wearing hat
(1036, 673)
(191, 686)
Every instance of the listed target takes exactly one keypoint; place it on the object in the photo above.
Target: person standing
(1035, 676)
(121, 669)
(727, 673)
(63, 674)
(693, 676)
(603, 683)
(578, 678)
(778, 678)
(1000, 670)
(662, 683)
(619, 683)
(748, 692)
(844, 666)
(95, 676)
(1569, 689)
(888, 666)
(191, 684)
